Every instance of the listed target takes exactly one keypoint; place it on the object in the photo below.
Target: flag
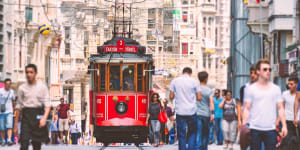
(246, 1)
(257, 1)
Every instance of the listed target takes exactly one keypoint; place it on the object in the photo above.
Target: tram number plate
(99, 101)
(144, 101)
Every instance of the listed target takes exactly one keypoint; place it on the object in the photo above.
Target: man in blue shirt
(186, 90)
(218, 119)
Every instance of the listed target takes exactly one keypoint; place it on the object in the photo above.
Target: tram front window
(114, 78)
(128, 77)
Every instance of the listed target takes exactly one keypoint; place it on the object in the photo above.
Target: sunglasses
(267, 69)
(154, 97)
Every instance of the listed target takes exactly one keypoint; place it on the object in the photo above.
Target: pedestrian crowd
(261, 118)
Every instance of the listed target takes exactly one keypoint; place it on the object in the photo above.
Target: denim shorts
(6, 121)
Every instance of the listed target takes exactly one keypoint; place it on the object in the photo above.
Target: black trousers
(30, 129)
(83, 127)
(74, 138)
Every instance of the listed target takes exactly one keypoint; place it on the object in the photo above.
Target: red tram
(120, 90)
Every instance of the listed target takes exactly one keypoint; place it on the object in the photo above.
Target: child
(75, 132)
(54, 131)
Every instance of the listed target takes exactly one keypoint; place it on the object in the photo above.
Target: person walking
(296, 108)
(186, 91)
(54, 131)
(63, 120)
(205, 112)
(154, 109)
(245, 136)
(165, 136)
(34, 103)
(263, 101)
(289, 100)
(7, 98)
(75, 132)
(218, 117)
(229, 122)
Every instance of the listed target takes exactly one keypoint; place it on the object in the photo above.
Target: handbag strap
(7, 97)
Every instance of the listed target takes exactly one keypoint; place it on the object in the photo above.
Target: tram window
(114, 78)
(140, 77)
(128, 77)
(102, 82)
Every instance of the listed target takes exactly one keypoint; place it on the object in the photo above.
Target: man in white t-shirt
(7, 97)
(289, 99)
(262, 101)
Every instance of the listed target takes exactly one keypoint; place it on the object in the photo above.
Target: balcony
(208, 8)
(280, 15)
(254, 18)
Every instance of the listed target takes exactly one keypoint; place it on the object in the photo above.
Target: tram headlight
(121, 108)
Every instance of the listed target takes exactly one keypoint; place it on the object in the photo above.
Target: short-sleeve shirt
(263, 106)
(7, 96)
(154, 111)
(185, 89)
(218, 111)
(203, 105)
(63, 111)
(289, 105)
(33, 96)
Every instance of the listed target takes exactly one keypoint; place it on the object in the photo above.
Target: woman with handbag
(153, 117)
(229, 122)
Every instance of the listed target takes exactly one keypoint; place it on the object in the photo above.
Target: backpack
(242, 92)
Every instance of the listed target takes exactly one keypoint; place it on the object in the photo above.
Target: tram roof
(117, 57)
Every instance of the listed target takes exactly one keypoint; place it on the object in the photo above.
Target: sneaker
(2, 143)
(10, 143)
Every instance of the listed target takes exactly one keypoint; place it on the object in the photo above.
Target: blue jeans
(267, 137)
(189, 123)
(155, 125)
(202, 132)
(211, 138)
(219, 133)
(6, 121)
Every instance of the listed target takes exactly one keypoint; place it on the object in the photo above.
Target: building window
(84, 51)
(185, 2)
(192, 18)
(79, 61)
(149, 36)
(86, 37)
(67, 48)
(185, 48)
(204, 20)
(216, 36)
(20, 52)
(67, 32)
(28, 14)
(151, 13)
(204, 60)
(185, 16)
(151, 23)
(68, 93)
(192, 1)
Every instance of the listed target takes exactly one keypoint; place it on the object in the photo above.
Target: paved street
(63, 147)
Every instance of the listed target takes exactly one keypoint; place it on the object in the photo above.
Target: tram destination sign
(120, 48)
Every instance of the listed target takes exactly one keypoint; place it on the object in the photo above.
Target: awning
(292, 47)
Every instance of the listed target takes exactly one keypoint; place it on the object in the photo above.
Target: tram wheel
(137, 144)
(106, 144)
